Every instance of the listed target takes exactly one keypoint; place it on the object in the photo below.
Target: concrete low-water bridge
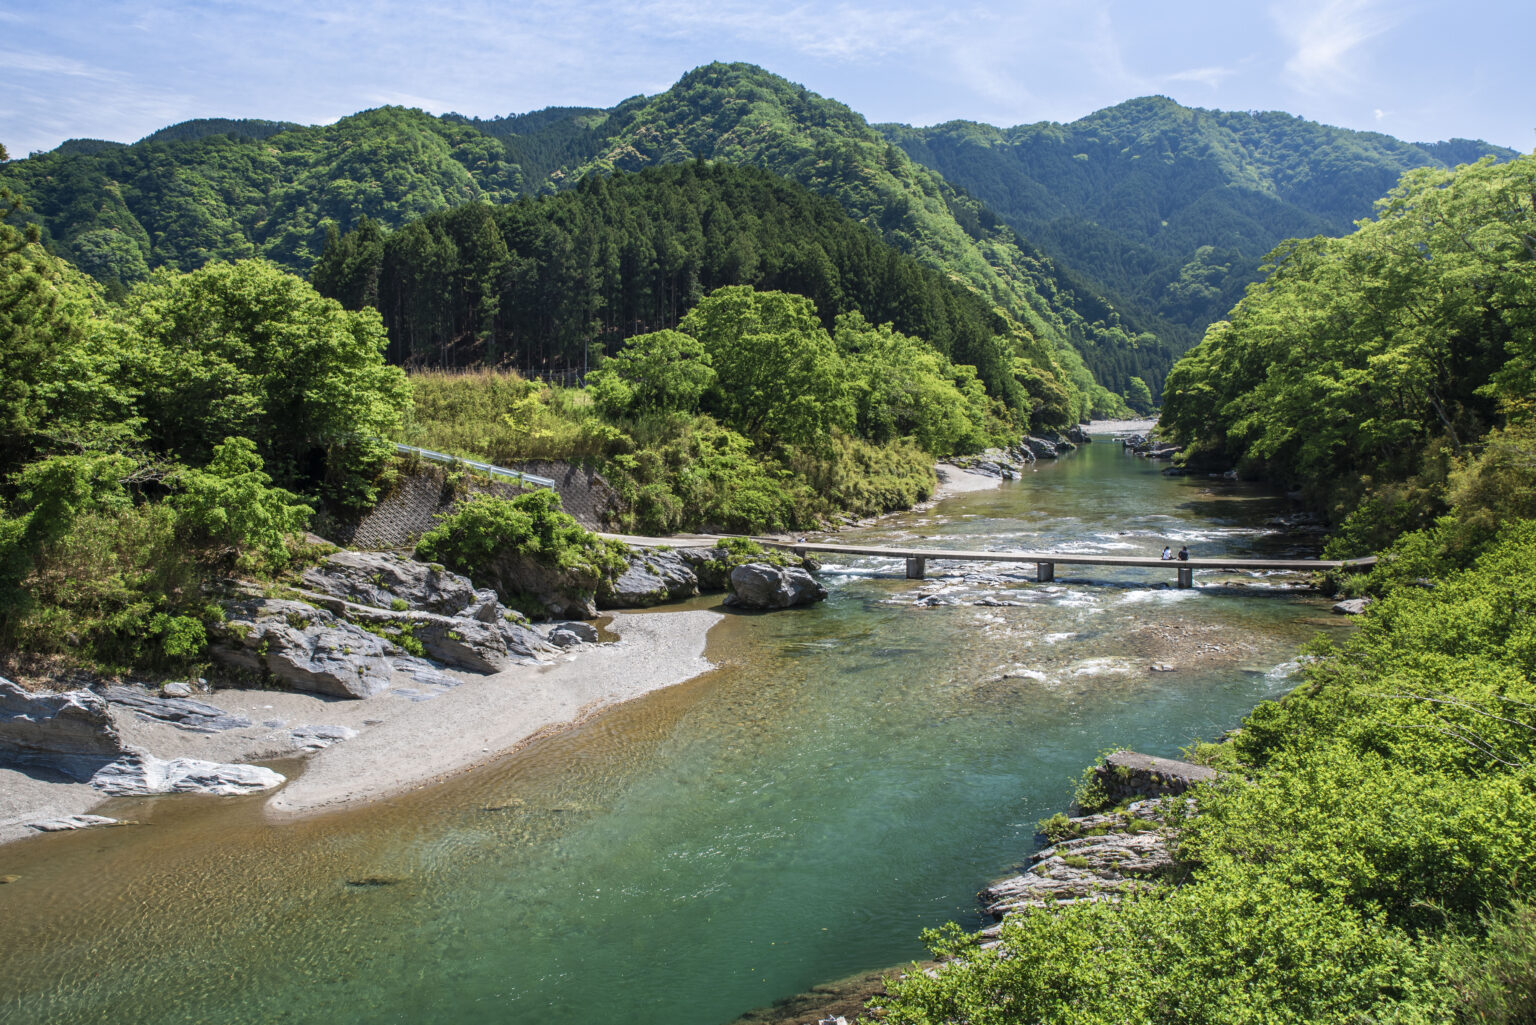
(1046, 562)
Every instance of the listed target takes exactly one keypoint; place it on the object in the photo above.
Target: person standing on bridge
(1184, 554)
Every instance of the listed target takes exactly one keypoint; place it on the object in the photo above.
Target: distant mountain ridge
(1172, 208)
(1155, 216)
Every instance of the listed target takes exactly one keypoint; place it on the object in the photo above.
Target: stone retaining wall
(423, 496)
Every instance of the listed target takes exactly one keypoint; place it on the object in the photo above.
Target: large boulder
(72, 733)
(758, 585)
(654, 576)
(476, 643)
(1042, 448)
(391, 581)
(562, 593)
(137, 774)
(306, 648)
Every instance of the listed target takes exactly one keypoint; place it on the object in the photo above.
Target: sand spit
(402, 741)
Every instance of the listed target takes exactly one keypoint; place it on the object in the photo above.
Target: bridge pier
(916, 564)
(1045, 572)
(1186, 577)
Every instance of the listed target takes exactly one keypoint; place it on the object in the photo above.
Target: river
(851, 774)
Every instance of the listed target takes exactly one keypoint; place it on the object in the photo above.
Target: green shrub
(530, 525)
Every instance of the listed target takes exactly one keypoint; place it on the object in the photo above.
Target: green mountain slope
(220, 190)
(743, 114)
(545, 284)
(1173, 208)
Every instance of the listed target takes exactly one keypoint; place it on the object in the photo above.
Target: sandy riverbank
(402, 743)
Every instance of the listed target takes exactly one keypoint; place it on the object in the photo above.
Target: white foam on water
(1157, 596)
(1099, 667)
(1057, 638)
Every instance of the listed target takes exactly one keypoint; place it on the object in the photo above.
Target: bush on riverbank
(1370, 860)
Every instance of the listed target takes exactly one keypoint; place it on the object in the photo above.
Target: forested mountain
(221, 191)
(1159, 215)
(1172, 209)
(742, 114)
(119, 212)
(540, 282)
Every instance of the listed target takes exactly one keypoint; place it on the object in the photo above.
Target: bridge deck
(1072, 558)
(1046, 562)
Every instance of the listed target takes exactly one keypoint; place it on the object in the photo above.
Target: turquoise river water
(851, 774)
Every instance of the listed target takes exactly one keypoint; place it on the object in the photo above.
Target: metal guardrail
(493, 470)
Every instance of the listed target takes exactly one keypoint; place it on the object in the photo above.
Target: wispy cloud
(1324, 36)
(1210, 77)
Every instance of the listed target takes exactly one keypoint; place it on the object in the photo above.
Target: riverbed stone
(314, 738)
(757, 585)
(183, 713)
(140, 774)
(70, 732)
(570, 634)
(1351, 607)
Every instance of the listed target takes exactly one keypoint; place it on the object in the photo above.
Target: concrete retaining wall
(423, 496)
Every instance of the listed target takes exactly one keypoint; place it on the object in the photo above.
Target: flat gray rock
(139, 774)
(314, 738)
(183, 713)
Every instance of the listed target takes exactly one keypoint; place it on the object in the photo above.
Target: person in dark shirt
(1184, 554)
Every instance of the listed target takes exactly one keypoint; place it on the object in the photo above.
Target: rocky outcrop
(1043, 448)
(138, 774)
(71, 733)
(391, 582)
(306, 648)
(74, 734)
(1096, 857)
(757, 585)
(1351, 607)
(561, 593)
(1126, 774)
(654, 576)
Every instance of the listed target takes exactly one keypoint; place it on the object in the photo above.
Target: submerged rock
(69, 822)
(758, 585)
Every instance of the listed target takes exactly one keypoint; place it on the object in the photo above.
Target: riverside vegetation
(1367, 855)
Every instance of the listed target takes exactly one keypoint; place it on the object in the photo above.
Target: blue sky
(1421, 70)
